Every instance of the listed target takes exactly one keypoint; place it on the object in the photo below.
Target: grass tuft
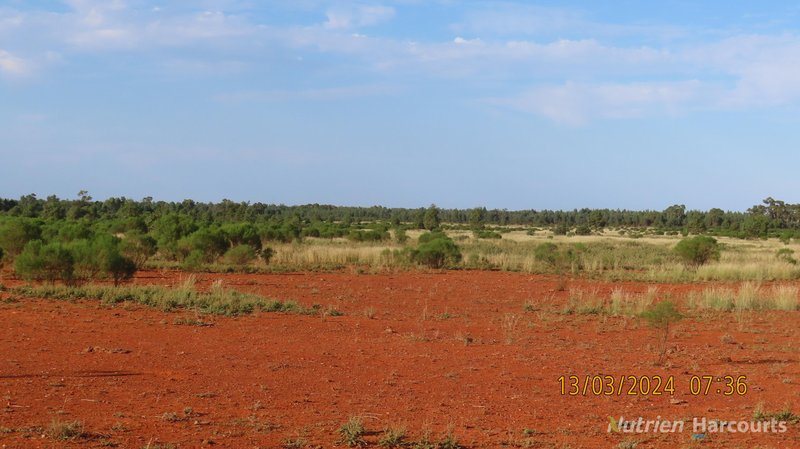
(352, 432)
(218, 300)
(65, 430)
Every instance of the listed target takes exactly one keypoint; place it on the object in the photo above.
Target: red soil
(426, 351)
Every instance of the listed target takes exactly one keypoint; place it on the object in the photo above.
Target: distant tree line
(82, 239)
(769, 218)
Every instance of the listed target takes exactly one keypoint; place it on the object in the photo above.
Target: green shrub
(242, 234)
(436, 252)
(45, 262)
(15, 233)
(101, 258)
(138, 247)
(119, 268)
(698, 250)
(660, 316)
(368, 236)
(211, 243)
(481, 234)
(194, 261)
(240, 255)
(557, 258)
(400, 235)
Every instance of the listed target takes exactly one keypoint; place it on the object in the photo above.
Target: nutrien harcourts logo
(698, 426)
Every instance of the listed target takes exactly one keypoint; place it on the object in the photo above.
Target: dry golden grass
(608, 256)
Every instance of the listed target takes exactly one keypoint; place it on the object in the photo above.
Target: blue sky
(516, 105)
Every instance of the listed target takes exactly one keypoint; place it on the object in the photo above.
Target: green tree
(674, 216)
(477, 218)
(431, 219)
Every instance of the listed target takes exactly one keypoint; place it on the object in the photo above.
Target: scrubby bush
(15, 233)
(242, 234)
(436, 250)
(49, 262)
(240, 255)
(169, 229)
(560, 229)
(101, 258)
(698, 250)
(555, 257)
(267, 254)
(194, 260)
(430, 236)
(400, 235)
(482, 234)
(660, 316)
(368, 236)
(210, 242)
(138, 247)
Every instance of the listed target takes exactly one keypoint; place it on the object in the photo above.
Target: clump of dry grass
(65, 430)
(749, 296)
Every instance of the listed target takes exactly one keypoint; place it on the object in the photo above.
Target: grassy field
(609, 256)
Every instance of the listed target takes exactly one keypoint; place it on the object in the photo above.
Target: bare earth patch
(477, 354)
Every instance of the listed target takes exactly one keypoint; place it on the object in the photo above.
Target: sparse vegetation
(660, 316)
(217, 300)
(352, 432)
(393, 437)
(698, 250)
(65, 430)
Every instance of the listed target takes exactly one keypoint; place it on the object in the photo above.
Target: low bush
(240, 255)
(698, 250)
(47, 262)
(436, 250)
(487, 235)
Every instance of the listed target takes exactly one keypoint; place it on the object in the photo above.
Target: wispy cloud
(357, 16)
(321, 94)
(13, 66)
(576, 104)
(556, 63)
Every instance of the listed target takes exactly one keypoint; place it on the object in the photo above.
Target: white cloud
(358, 16)
(321, 94)
(13, 66)
(590, 74)
(576, 104)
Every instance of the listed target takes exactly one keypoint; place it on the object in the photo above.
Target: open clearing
(454, 350)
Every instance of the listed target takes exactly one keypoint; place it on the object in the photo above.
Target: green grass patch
(218, 300)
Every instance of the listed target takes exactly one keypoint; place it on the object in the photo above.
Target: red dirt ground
(427, 351)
